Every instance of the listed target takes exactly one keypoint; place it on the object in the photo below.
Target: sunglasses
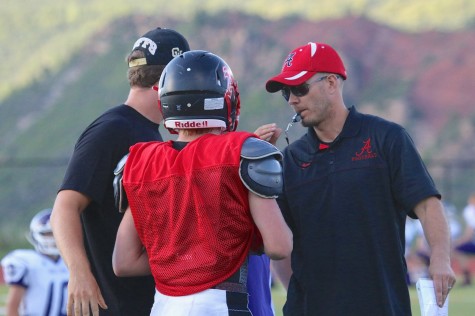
(300, 90)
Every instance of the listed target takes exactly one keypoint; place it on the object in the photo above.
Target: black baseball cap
(160, 46)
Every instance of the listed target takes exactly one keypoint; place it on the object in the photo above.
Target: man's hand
(84, 296)
(269, 132)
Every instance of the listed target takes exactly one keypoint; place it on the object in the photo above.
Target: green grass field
(461, 300)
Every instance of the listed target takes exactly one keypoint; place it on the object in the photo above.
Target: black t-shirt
(346, 204)
(90, 171)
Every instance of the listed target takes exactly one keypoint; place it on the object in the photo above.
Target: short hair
(198, 131)
(144, 76)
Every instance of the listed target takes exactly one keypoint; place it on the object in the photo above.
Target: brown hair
(199, 131)
(144, 76)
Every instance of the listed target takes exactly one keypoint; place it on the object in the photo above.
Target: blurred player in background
(416, 265)
(464, 246)
(37, 279)
(418, 250)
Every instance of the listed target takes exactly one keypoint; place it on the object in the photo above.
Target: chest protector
(191, 210)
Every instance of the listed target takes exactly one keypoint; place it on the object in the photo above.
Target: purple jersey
(258, 286)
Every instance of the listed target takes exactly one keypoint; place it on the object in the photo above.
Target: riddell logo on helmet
(193, 124)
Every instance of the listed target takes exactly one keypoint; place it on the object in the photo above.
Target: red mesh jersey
(191, 210)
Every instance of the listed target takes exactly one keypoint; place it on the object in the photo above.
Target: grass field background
(461, 300)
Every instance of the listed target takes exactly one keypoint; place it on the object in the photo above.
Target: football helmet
(41, 234)
(197, 90)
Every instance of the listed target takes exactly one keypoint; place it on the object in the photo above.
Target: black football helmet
(197, 90)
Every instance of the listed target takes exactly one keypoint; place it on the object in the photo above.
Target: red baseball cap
(304, 62)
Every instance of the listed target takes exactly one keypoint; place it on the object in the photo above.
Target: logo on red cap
(288, 61)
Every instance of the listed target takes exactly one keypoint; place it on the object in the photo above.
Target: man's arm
(275, 233)
(129, 257)
(436, 231)
(83, 290)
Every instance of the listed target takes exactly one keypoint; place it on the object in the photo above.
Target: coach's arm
(430, 212)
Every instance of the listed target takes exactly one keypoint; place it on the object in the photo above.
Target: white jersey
(44, 279)
(454, 223)
(413, 231)
(469, 215)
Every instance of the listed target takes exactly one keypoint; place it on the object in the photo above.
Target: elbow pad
(120, 198)
(260, 168)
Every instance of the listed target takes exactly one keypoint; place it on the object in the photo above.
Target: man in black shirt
(349, 184)
(85, 219)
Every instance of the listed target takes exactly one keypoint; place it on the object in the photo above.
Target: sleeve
(411, 182)
(284, 208)
(282, 198)
(95, 156)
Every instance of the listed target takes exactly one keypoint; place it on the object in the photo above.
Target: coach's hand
(84, 295)
(269, 132)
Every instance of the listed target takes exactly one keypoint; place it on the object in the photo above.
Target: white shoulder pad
(15, 266)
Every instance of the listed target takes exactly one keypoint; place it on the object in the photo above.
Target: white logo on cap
(144, 42)
(313, 50)
(300, 74)
(176, 51)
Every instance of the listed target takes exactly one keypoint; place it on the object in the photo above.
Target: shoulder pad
(255, 148)
(262, 176)
(120, 198)
(15, 267)
(120, 165)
